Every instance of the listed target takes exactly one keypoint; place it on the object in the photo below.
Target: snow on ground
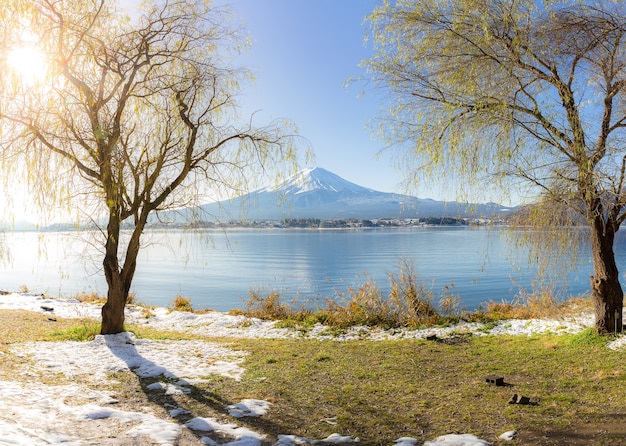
(224, 325)
(36, 413)
(146, 358)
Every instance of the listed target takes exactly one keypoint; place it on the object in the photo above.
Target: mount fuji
(318, 193)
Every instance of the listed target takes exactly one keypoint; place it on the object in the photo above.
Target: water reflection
(216, 269)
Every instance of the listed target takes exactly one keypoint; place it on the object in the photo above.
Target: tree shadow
(148, 373)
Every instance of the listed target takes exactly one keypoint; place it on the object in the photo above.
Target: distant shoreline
(329, 224)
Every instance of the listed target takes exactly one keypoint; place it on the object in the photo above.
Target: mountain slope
(318, 193)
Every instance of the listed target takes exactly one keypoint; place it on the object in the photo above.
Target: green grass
(424, 389)
(87, 330)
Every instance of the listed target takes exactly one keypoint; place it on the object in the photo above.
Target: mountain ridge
(319, 193)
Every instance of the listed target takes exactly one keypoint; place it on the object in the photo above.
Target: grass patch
(423, 389)
(588, 337)
(87, 330)
(26, 326)
(144, 332)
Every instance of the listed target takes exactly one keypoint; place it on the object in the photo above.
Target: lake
(217, 269)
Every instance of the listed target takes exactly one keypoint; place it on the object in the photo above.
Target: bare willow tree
(516, 92)
(138, 114)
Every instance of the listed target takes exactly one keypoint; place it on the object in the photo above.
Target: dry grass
(181, 303)
(267, 307)
(91, 298)
(95, 298)
(409, 303)
(537, 305)
(25, 326)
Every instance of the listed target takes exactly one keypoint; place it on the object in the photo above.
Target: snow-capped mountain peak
(318, 193)
(317, 179)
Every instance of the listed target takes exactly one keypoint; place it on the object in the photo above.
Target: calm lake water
(216, 269)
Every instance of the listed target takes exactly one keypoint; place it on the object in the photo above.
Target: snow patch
(146, 358)
(249, 408)
(457, 440)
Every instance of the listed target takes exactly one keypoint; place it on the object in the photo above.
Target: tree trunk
(113, 309)
(606, 290)
(118, 280)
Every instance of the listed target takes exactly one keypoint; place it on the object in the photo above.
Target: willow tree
(141, 114)
(516, 91)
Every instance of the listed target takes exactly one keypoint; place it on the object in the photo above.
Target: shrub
(92, 298)
(181, 303)
(363, 305)
(408, 303)
(95, 298)
(410, 297)
(267, 307)
(528, 305)
(132, 298)
(450, 303)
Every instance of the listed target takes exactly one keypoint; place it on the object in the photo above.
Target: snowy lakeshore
(37, 413)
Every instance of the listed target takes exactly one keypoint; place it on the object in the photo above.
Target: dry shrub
(538, 304)
(410, 297)
(268, 307)
(95, 298)
(91, 298)
(363, 305)
(132, 298)
(450, 303)
(181, 303)
(409, 303)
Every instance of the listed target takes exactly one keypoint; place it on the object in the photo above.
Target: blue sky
(302, 54)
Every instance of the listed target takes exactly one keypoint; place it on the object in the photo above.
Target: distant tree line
(365, 223)
(301, 222)
(442, 221)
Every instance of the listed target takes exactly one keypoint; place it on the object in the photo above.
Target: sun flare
(27, 63)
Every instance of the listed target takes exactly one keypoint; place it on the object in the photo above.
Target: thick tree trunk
(606, 290)
(118, 280)
(113, 309)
